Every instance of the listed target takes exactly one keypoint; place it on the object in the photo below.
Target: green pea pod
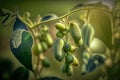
(44, 46)
(45, 28)
(64, 68)
(37, 49)
(69, 71)
(80, 42)
(85, 61)
(48, 39)
(59, 34)
(63, 32)
(67, 47)
(75, 31)
(86, 55)
(72, 49)
(58, 49)
(69, 59)
(87, 34)
(75, 62)
(60, 26)
(39, 36)
(45, 62)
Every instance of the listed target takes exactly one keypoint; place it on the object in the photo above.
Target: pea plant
(77, 29)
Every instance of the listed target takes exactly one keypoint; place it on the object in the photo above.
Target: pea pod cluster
(43, 40)
(70, 59)
(63, 50)
(82, 36)
(61, 29)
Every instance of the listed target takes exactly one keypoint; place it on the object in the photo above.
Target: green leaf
(7, 19)
(3, 12)
(19, 25)
(94, 62)
(102, 26)
(20, 74)
(7, 16)
(21, 43)
(50, 78)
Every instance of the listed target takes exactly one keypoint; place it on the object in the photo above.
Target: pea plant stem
(35, 75)
(76, 10)
(38, 69)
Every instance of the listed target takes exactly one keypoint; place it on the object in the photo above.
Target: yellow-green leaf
(102, 26)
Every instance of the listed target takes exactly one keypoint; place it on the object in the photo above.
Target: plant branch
(37, 69)
(35, 75)
(71, 12)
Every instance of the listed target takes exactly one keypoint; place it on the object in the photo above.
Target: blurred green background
(42, 7)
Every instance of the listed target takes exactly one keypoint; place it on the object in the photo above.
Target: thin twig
(71, 12)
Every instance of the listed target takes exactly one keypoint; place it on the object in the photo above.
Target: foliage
(20, 74)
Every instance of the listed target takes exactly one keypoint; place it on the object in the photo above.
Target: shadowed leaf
(3, 12)
(7, 16)
(7, 19)
(20, 74)
(94, 62)
(48, 17)
(19, 25)
(50, 78)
